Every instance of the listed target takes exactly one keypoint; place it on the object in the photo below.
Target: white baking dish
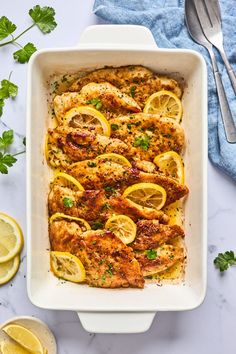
(120, 310)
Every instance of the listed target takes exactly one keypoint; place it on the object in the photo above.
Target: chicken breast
(95, 207)
(63, 234)
(151, 234)
(112, 101)
(98, 174)
(134, 80)
(72, 145)
(157, 260)
(149, 134)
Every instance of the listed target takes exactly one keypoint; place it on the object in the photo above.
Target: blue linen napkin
(165, 18)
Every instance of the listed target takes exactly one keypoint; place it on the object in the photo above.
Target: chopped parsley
(110, 189)
(97, 225)
(132, 90)
(110, 269)
(151, 254)
(143, 142)
(95, 102)
(114, 126)
(129, 126)
(106, 206)
(91, 164)
(68, 202)
(224, 260)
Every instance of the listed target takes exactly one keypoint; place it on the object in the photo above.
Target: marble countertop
(208, 329)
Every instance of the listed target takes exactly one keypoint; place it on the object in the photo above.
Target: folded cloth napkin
(165, 18)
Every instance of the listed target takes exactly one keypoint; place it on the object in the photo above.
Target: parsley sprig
(224, 260)
(42, 17)
(6, 159)
(7, 90)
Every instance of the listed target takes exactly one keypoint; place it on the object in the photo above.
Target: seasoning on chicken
(111, 100)
(134, 80)
(148, 134)
(154, 261)
(151, 234)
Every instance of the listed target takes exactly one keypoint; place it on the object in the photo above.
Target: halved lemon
(87, 117)
(9, 269)
(83, 223)
(175, 213)
(24, 337)
(146, 195)
(8, 347)
(66, 180)
(170, 163)
(67, 266)
(123, 227)
(117, 158)
(166, 104)
(11, 238)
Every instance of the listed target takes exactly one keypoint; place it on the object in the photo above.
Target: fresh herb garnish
(110, 189)
(6, 160)
(6, 139)
(224, 260)
(129, 126)
(68, 202)
(95, 102)
(97, 225)
(132, 90)
(91, 164)
(114, 126)
(110, 269)
(43, 18)
(106, 206)
(143, 142)
(7, 90)
(151, 254)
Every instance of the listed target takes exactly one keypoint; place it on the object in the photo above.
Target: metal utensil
(210, 18)
(195, 30)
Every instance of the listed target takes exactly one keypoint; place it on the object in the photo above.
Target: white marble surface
(208, 329)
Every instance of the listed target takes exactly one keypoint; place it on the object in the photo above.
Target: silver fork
(210, 18)
(195, 30)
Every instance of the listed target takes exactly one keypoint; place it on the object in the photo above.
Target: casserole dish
(117, 310)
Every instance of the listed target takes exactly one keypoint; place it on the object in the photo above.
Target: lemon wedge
(123, 227)
(164, 103)
(11, 238)
(82, 223)
(170, 163)
(24, 337)
(87, 117)
(8, 347)
(146, 195)
(119, 159)
(175, 213)
(65, 180)
(9, 269)
(67, 266)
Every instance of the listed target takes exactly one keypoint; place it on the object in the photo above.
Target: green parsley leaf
(1, 106)
(43, 17)
(8, 89)
(91, 164)
(151, 254)
(97, 225)
(6, 139)
(224, 260)
(6, 27)
(114, 126)
(110, 189)
(5, 162)
(132, 90)
(23, 55)
(68, 202)
(129, 126)
(143, 142)
(95, 102)
(106, 206)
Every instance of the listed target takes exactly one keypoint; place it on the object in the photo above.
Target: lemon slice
(146, 195)
(170, 163)
(67, 266)
(123, 227)
(53, 155)
(166, 104)
(24, 337)
(87, 117)
(83, 223)
(12, 348)
(11, 238)
(65, 180)
(175, 213)
(9, 269)
(119, 159)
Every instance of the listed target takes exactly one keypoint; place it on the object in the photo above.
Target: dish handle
(113, 36)
(116, 322)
